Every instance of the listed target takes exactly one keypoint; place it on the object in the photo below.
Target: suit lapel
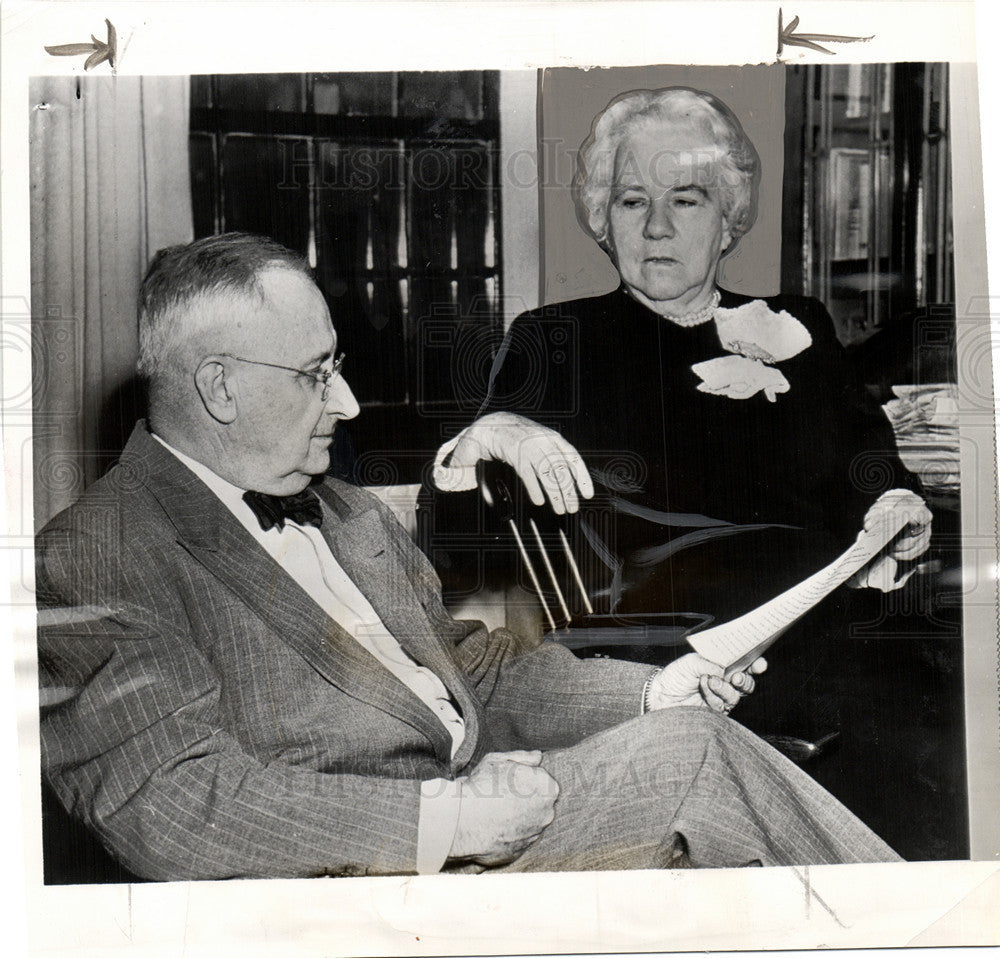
(360, 543)
(217, 540)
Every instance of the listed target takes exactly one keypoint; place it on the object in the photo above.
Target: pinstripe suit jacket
(207, 719)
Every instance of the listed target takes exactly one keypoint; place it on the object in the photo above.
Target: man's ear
(213, 388)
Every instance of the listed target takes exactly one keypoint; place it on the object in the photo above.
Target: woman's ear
(727, 236)
(607, 244)
(214, 389)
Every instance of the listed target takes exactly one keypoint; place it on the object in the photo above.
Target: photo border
(831, 906)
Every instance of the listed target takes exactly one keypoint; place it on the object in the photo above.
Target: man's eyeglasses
(324, 377)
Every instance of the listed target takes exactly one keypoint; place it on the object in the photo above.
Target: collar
(230, 495)
(183, 490)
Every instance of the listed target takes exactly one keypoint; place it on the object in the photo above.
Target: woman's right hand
(548, 465)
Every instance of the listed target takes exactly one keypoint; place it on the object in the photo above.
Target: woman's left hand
(882, 573)
(916, 535)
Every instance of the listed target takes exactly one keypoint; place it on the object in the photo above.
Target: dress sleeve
(847, 415)
(469, 542)
(529, 373)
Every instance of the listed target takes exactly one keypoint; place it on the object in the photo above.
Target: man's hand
(693, 680)
(506, 803)
(547, 464)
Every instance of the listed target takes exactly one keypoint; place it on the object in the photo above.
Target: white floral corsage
(758, 337)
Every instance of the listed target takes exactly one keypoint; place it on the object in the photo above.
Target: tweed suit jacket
(207, 719)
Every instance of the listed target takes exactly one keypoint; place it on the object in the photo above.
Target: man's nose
(341, 401)
(659, 220)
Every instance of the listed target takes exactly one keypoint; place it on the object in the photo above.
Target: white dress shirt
(304, 554)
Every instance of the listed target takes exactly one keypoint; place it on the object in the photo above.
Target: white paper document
(735, 644)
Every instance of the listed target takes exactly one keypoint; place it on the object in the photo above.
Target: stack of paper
(925, 421)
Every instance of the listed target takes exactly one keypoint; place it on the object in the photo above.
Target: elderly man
(247, 670)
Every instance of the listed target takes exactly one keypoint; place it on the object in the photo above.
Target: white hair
(736, 166)
(189, 290)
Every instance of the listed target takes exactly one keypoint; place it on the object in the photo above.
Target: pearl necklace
(697, 317)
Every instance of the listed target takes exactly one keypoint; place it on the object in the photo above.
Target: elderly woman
(731, 451)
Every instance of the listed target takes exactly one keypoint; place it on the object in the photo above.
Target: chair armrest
(402, 500)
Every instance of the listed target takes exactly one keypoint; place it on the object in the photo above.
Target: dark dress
(704, 503)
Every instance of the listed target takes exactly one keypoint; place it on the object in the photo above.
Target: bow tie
(302, 508)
